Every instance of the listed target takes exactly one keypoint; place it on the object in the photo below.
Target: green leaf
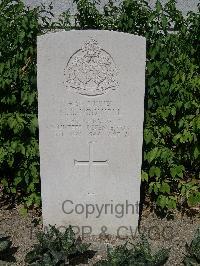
(152, 154)
(148, 136)
(172, 203)
(23, 211)
(162, 201)
(164, 21)
(144, 176)
(154, 171)
(193, 199)
(21, 35)
(177, 170)
(165, 188)
(158, 6)
(196, 152)
(173, 111)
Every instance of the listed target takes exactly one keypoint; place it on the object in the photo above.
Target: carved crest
(91, 70)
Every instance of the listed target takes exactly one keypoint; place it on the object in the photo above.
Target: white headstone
(91, 105)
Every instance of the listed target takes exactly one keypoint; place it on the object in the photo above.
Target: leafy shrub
(19, 152)
(55, 248)
(193, 256)
(171, 168)
(139, 255)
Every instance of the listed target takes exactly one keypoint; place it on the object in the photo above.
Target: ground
(170, 233)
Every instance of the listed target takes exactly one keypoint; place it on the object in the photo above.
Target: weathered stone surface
(91, 107)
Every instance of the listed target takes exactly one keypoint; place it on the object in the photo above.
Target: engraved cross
(91, 161)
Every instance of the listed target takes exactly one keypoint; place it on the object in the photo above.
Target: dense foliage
(172, 119)
(19, 153)
(139, 255)
(192, 257)
(55, 248)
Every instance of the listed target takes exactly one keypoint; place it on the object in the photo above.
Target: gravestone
(91, 105)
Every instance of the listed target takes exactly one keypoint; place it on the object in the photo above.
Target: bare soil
(170, 233)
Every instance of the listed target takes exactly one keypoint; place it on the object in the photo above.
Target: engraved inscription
(95, 118)
(91, 71)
